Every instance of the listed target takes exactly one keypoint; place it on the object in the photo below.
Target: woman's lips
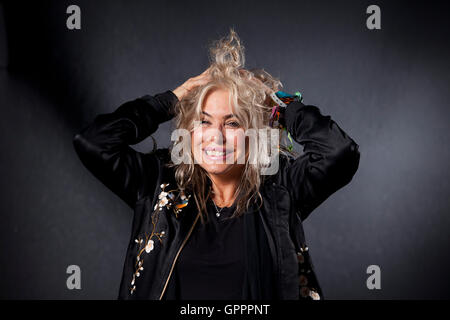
(215, 154)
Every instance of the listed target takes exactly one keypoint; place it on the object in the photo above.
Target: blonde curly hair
(252, 107)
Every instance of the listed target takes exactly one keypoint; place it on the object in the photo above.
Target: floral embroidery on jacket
(175, 199)
(306, 292)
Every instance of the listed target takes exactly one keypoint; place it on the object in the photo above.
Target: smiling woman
(250, 244)
(218, 127)
(218, 107)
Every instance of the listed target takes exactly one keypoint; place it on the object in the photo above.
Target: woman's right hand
(191, 83)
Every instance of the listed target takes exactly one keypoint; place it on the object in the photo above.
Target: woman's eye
(204, 122)
(233, 124)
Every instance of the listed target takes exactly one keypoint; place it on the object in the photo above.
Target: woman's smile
(217, 153)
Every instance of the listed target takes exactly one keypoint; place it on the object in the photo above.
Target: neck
(224, 187)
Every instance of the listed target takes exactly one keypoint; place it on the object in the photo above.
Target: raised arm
(103, 146)
(329, 161)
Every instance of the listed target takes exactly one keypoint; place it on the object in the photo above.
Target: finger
(201, 75)
(197, 82)
(200, 81)
(205, 78)
(205, 72)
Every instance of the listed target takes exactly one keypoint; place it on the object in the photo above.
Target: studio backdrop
(379, 68)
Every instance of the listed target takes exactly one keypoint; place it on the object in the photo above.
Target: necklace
(217, 210)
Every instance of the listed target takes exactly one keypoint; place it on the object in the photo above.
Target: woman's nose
(217, 134)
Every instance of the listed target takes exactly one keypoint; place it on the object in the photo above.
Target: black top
(214, 263)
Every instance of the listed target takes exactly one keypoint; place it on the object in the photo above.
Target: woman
(209, 221)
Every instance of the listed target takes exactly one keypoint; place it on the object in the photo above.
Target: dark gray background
(388, 89)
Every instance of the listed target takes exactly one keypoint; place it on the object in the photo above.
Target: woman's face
(218, 141)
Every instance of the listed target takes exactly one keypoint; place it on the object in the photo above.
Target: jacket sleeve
(329, 161)
(103, 145)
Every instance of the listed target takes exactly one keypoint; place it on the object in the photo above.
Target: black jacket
(329, 161)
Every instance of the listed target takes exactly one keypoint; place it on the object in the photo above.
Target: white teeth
(214, 153)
